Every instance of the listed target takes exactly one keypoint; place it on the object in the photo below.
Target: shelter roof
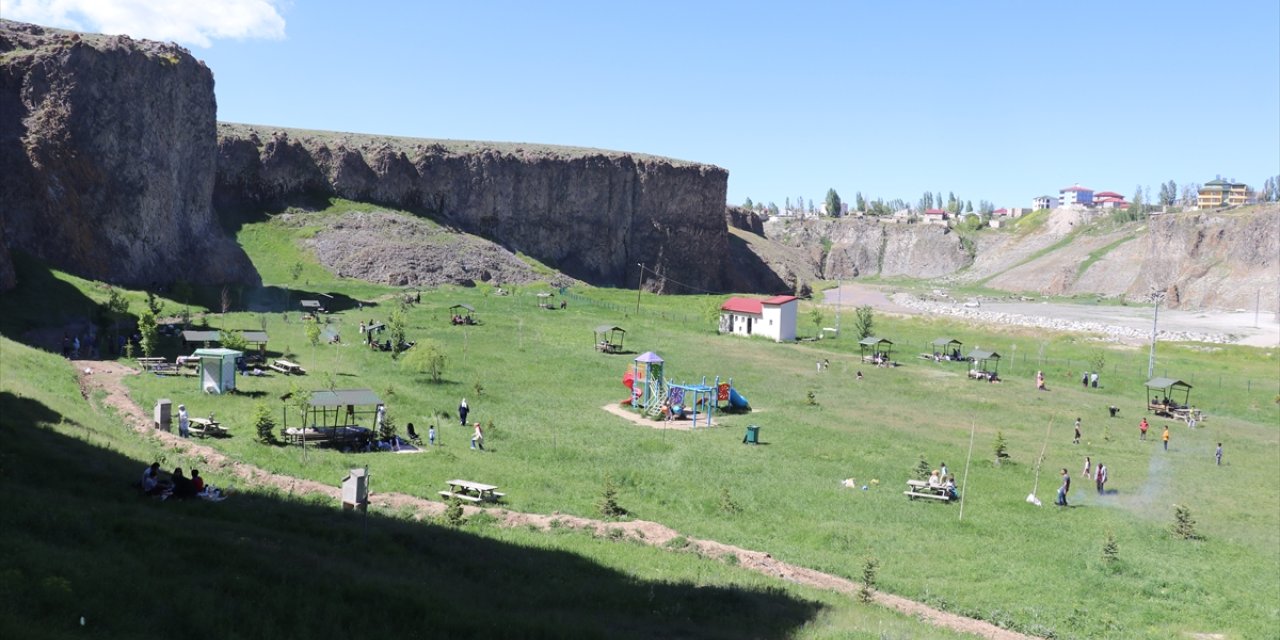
(343, 397)
(200, 336)
(649, 357)
(544, 294)
(463, 306)
(311, 304)
(217, 353)
(942, 342)
(255, 336)
(874, 340)
(1166, 383)
(742, 305)
(980, 354)
(605, 328)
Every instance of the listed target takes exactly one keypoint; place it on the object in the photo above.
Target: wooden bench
(460, 496)
(922, 489)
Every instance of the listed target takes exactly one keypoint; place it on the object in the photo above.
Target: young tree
(396, 327)
(863, 321)
(154, 305)
(263, 424)
(859, 201)
(833, 203)
(312, 329)
(1137, 206)
(150, 334)
(748, 204)
(427, 357)
(772, 209)
(816, 316)
(232, 340)
(115, 309)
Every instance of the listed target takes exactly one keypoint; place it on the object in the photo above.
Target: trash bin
(163, 414)
(753, 435)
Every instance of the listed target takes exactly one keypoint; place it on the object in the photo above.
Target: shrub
(453, 513)
(264, 425)
(923, 470)
(867, 591)
(1110, 549)
(609, 500)
(233, 340)
(863, 321)
(388, 429)
(427, 357)
(1184, 526)
(727, 505)
(811, 398)
(1001, 448)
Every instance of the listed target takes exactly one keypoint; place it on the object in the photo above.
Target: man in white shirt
(184, 422)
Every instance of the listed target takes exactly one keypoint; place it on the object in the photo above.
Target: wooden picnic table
(922, 489)
(471, 491)
(287, 367)
(204, 427)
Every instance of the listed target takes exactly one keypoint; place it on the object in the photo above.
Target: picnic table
(204, 427)
(157, 365)
(471, 491)
(287, 367)
(922, 489)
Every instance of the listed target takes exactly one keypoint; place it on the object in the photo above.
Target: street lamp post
(639, 286)
(1155, 320)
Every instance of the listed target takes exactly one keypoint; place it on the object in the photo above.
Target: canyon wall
(589, 213)
(107, 155)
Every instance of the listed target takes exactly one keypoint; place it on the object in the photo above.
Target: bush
(923, 470)
(727, 505)
(866, 592)
(264, 425)
(1001, 448)
(453, 513)
(1110, 549)
(609, 500)
(1184, 526)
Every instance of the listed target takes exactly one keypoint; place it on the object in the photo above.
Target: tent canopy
(649, 357)
(469, 308)
(608, 328)
(874, 341)
(979, 354)
(945, 342)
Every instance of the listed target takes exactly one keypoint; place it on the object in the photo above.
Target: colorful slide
(737, 401)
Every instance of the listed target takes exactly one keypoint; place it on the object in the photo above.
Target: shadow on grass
(80, 542)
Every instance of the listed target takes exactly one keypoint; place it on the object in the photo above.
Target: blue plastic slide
(736, 400)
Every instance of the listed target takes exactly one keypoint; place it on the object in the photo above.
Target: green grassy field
(1038, 570)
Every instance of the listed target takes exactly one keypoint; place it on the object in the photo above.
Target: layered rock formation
(107, 155)
(853, 247)
(589, 213)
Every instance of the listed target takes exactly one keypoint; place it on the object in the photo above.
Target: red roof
(1076, 188)
(742, 305)
(935, 212)
(1001, 210)
(777, 300)
(1107, 194)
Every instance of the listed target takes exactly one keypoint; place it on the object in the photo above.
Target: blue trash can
(752, 436)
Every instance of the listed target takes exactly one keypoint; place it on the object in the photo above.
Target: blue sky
(1000, 101)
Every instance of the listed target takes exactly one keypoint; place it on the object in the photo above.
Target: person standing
(1062, 490)
(184, 422)
(1093, 379)
(463, 410)
(1218, 454)
(1040, 381)
(431, 435)
(1165, 437)
(942, 471)
(1142, 429)
(477, 438)
(1088, 466)
(1084, 379)
(1076, 440)
(1100, 478)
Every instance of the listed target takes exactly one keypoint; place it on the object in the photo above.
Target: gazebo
(946, 349)
(462, 313)
(217, 373)
(608, 338)
(349, 406)
(1164, 403)
(980, 360)
(257, 339)
(544, 300)
(204, 338)
(880, 350)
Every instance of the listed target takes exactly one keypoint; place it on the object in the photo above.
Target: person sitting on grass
(196, 481)
(950, 488)
(151, 484)
(182, 486)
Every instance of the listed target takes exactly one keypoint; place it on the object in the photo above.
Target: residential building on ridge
(1043, 202)
(1075, 194)
(1222, 193)
(1109, 200)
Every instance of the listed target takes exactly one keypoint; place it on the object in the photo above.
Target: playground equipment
(654, 395)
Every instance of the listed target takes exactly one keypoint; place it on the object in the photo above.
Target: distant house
(1043, 202)
(1109, 200)
(1018, 212)
(934, 216)
(1222, 193)
(773, 317)
(1075, 194)
(1001, 212)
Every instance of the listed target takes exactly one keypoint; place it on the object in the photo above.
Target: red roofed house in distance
(772, 317)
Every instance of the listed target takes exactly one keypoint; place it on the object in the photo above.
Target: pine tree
(833, 203)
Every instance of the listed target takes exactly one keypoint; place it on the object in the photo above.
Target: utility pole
(838, 305)
(1257, 308)
(639, 286)
(1151, 360)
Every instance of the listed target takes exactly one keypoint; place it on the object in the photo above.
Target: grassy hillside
(534, 375)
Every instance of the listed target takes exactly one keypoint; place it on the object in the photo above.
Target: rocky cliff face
(853, 247)
(107, 155)
(589, 213)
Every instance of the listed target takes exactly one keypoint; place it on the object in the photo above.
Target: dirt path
(109, 376)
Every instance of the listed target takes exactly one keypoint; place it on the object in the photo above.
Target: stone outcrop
(589, 213)
(107, 156)
(853, 247)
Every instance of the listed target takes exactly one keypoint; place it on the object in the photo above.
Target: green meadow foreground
(534, 378)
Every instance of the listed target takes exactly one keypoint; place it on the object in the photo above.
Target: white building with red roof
(934, 216)
(1075, 194)
(772, 317)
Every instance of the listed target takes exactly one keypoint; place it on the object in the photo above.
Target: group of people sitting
(953, 356)
(177, 485)
(461, 319)
(946, 483)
